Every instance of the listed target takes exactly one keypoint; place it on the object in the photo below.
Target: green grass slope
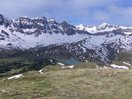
(80, 83)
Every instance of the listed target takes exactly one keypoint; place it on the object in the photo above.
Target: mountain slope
(49, 38)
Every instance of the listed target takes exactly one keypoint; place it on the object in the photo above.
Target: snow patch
(71, 66)
(15, 77)
(61, 64)
(127, 33)
(29, 30)
(119, 67)
(126, 63)
(40, 71)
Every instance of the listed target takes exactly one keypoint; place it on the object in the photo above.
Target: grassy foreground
(80, 83)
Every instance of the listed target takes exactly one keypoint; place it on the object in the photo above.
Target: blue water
(70, 61)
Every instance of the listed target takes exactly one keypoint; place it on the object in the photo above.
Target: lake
(70, 61)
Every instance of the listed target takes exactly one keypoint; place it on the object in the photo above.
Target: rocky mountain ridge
(50, 38)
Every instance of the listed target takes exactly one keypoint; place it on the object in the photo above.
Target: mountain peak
(103, 24)
(106, 27)
(80, 27)
(51, 20)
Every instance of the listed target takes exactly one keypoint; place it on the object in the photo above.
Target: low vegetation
(78, 83)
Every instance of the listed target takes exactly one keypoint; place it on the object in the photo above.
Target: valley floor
(80, 83)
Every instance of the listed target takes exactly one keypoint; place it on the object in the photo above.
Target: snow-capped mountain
(104, 27)
(57, 40)
(96, 29)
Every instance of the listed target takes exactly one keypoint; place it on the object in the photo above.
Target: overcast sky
(88, 12)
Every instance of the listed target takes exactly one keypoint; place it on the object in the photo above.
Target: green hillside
(79, 83)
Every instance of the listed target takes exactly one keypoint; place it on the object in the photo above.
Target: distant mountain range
(49, 38)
